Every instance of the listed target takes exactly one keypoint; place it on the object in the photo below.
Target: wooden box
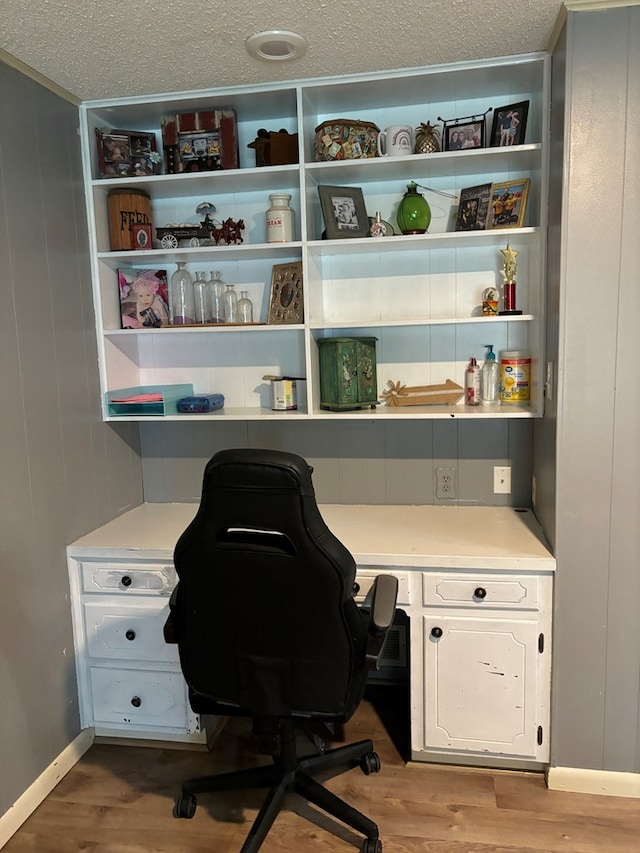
(200, 141)
(275, 148)
(348, 377)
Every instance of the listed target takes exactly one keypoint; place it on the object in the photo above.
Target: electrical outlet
(501, 481)
(447, 483)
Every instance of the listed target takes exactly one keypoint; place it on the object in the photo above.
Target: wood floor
(119, 799)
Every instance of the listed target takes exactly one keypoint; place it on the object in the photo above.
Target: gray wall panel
(596, 650)
(355, 461)
(55, 454)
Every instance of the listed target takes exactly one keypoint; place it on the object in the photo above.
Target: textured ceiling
(94, 49)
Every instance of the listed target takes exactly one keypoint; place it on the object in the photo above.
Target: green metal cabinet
(348, 373)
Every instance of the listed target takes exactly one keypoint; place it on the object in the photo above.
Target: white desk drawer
(128, 632)
(128, 578)
(480, 591)
(366, 577)
(139, 698)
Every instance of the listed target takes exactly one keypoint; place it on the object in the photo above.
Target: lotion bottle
(490, 384)
(472, 383)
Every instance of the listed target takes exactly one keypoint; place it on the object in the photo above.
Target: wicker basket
(346, 139)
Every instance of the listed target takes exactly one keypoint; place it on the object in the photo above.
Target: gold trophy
(509, 269)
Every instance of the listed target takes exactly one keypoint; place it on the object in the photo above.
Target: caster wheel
(186, 806)
(370, 763)
(372, 846)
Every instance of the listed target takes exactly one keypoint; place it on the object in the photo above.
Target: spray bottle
(490, 393)
(472, 383)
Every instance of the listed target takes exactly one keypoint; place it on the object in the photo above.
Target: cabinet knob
(480, 592)
(126, 580)
(136, 701)
(130, 635)
(436, 632)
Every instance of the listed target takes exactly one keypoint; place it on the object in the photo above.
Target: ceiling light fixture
(276, 45)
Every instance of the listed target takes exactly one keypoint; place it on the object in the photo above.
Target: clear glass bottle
(200, 296)
(215, 287)
(245, 308)
(181, 297)
(230, 304)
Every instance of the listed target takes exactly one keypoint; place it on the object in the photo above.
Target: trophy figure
(509, 268)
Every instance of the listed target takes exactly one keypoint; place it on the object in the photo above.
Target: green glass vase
(414, 213)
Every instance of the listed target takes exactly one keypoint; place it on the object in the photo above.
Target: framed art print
(144, 298)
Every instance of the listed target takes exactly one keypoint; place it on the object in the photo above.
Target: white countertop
(412, 536)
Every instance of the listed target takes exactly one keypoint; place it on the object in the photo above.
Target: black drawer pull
(480, 592)
(436, 632)
(126, 580)
(130, 635)
(136, 701)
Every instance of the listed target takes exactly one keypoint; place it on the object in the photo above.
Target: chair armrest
(170, 629)
(380, 605)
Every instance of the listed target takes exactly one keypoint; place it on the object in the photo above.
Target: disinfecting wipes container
(515, 376)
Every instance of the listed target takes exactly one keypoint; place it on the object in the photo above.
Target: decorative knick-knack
(414, 213)
(427, 138)
(181, 297)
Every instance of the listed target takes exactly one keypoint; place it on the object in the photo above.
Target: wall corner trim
(610, 783)
(25, 805)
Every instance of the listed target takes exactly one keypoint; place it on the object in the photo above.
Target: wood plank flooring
(119, 799)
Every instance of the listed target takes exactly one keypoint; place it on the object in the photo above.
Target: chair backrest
(266, 620)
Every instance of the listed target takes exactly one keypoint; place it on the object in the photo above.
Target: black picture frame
(509, 125)
(465, 134)
(344, 212)
(473, 208)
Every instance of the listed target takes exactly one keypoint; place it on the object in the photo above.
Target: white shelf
(417, 294)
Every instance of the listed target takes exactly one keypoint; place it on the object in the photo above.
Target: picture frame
(473, 208)
(509, 125)
(508, 204)
(126, 153)
(464, 134)
(286, 297)
(344, 212)
(144, 298)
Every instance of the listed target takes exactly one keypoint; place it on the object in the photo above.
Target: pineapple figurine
(427, 138)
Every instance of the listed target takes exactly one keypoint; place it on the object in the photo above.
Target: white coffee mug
(398, 140)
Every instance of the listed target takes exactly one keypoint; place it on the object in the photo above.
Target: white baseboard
(607, 782)
(13, 819)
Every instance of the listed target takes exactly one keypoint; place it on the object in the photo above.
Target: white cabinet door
(481, 684)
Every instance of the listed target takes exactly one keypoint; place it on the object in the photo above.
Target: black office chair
(267, 627)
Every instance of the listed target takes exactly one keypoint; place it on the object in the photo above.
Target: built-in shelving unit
(418, 295)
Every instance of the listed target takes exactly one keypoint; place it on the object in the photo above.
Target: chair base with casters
(291, 773)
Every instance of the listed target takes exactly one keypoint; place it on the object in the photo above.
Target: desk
(476, 583)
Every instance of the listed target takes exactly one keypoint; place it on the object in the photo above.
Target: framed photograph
(126, 154)
(141, 236)
(144, 298)
(508, 204)
(463, 135)
(509, 124)
(285, 303)
(473, 208)
(344, 212)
